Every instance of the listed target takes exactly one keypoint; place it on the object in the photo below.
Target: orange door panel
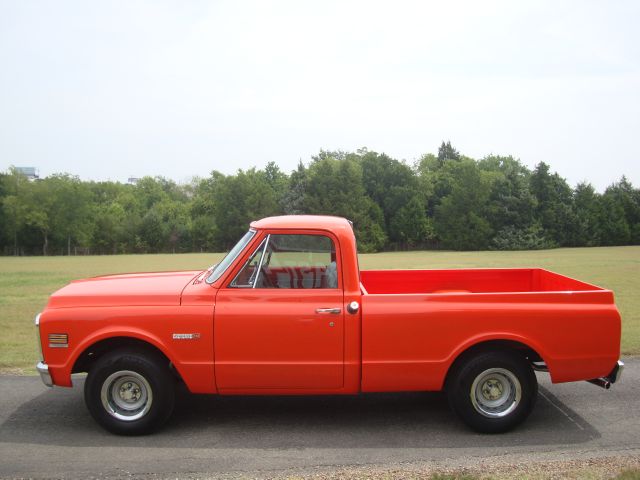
(279, 339)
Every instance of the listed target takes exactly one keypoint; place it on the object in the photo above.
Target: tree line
(443, 201)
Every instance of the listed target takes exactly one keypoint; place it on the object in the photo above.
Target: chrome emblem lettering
(186, 336)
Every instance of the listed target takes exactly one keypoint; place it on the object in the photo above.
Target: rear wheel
(130, 393)
(492, 392)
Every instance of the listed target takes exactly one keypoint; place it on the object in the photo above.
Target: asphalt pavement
(47, 433)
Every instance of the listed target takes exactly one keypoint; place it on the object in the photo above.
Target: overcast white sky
(108, 90)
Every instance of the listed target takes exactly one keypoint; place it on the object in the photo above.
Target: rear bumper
(45, 376)
(616, 373)
(613, 377)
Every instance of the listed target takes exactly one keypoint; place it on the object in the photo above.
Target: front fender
(161, 327)
(61, 372)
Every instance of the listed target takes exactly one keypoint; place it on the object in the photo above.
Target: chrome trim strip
(266, 244)
(45, 376)
(232, 261)
(37, 320)
(254, 252)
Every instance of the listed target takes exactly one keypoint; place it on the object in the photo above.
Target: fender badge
(186, 336)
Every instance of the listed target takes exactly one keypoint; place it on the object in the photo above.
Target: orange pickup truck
(288, 312)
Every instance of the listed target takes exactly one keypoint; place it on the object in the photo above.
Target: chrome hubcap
(495, 393)
(126, 395)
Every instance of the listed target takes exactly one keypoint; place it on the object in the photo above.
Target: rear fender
(478, 341)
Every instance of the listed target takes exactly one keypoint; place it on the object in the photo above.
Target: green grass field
(26, 282)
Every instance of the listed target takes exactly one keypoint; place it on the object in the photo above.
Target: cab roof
(322, 222)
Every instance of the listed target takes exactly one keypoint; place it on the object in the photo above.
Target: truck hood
(161, 288)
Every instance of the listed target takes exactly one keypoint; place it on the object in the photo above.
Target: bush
(531, 238)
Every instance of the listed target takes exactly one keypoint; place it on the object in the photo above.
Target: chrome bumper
(45, 376)
(613, 377)
(616, 373)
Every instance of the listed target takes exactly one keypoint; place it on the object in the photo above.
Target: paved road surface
(49, 433)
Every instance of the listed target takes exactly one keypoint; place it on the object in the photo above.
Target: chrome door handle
(333, 311)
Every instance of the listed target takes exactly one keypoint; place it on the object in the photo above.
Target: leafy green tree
(335, 187)
(437, 175)
(619, 213)
(5, 235)
(239, 199)
(410, 225)
(532, 237)
(176, 226)
(37, 208)
(444, 200)
(623, 195)
(587, 207)
(202, 213)
(511, 203)
(554, 209)
(108, 235)
(14, 188)
(446, 153)
(278, 181)
(459, 220)
(68, 209)
(107, 217)
(156, 216)
(394, 187)
(132, 205)
(293, 198)
(613, 224)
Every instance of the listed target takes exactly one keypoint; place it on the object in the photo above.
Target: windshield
(220, 268)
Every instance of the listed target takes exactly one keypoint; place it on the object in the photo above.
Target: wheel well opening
(87, 358)
(521, 349)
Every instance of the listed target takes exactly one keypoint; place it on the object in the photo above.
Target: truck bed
(415, 322)
(493, 280)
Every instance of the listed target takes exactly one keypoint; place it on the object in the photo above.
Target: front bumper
(45, 376)
(43, 368)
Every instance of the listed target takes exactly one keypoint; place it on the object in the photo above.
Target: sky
(110, 90)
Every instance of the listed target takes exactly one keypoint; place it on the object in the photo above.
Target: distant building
(30, 172)
(132, 180)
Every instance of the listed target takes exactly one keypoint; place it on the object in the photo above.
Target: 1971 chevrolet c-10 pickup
(287, 312)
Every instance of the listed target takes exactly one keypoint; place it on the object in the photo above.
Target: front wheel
(492, 392)
(129, 393)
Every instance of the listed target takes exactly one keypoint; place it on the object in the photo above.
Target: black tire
(492, 392)
(130, 393)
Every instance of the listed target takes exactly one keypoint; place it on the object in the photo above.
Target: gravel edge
(594, 465)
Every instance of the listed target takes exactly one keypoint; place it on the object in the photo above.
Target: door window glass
(291, 261)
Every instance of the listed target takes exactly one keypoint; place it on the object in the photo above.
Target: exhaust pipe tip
(601, 382)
